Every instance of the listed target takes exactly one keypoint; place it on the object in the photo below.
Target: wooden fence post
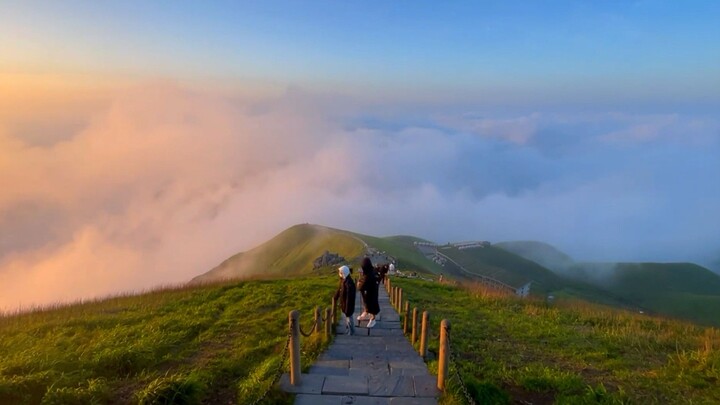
(399, 300)
(444, 353)
(294, 319)
(414, 325)
(318, 321)
(423, 334)
(334, 311)
(328, 323)
(407, 316)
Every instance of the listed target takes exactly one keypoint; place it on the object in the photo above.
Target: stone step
(420, 386)
(307, 399)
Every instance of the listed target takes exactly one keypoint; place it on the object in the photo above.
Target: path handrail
(294, 319)
(327, 317)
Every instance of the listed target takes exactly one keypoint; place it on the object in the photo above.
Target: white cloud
(518, 130)
(162, 184)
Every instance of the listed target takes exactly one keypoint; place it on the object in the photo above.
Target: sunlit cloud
(158, 183)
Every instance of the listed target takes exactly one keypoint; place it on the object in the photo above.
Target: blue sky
(142, 143)
(642, 50)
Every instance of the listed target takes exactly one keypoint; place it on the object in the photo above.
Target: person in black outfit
(368, 286)
(381, 272)
(345, 295)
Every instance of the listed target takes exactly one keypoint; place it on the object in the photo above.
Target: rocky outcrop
(327, 259)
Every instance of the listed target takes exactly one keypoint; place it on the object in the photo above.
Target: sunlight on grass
(212, 343)
(569, 351)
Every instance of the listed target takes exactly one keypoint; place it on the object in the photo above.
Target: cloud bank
(156, 185)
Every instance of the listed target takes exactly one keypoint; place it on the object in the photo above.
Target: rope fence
(291, 348)
(280, 368)
(308, 334)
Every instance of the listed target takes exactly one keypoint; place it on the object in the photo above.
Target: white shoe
(362, 316)
(371, 323)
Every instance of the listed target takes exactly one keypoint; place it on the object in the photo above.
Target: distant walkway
(523, 291)
(378, 368)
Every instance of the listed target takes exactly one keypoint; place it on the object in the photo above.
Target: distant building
(471, 244)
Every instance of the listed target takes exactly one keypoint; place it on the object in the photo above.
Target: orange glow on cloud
(158, 185)
(108, 188)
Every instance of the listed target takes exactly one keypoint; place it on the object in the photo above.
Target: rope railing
(280, 369)
(456, 373)
(327, 318)
(308, 334)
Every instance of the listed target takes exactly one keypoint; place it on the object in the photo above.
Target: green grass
(541, 253)
(291, 252)
(504, 266)
(214, 343)
(682, 290)
(510, 350)
(223, 343)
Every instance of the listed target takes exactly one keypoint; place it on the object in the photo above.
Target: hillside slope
(504, 266)
(541, 253)
(683, 290)
(189, 345)
(402, 248)
(513, 351)
(291, 252)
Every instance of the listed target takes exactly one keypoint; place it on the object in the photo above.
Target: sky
(142, 143)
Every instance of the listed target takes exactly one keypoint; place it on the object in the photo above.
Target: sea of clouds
(157, 184)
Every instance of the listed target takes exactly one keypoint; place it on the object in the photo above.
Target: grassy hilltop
(290, 253)
(682, 290)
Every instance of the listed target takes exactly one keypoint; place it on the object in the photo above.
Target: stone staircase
(375, 366)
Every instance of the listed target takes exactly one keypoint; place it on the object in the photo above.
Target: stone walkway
(375, 366)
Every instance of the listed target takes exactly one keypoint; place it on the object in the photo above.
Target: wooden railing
(411, 325)
(321, 325)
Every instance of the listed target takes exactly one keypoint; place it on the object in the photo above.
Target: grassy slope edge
(212, 344)
(510, 350)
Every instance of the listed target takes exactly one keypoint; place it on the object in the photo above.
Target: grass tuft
(172, 389)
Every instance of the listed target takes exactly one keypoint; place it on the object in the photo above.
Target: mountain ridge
(684, 290)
